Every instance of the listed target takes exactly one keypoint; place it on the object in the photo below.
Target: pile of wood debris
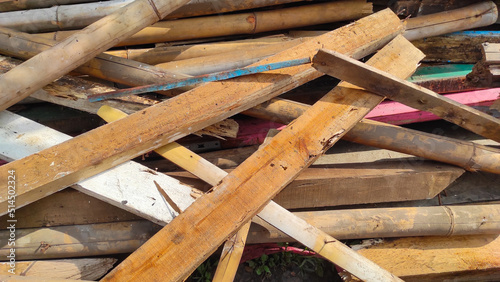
(248, 167)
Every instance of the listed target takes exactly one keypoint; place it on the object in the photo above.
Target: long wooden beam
(460, 258)
(241, 194)
(52, 169)
(47, 66)
(405, 92)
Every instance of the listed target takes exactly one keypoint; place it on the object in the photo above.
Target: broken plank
(64, 57)
(405, 92)
(43, 173)
(334, 251)
(240, 195)
(81, 269)
(22, 137)
(461, 258)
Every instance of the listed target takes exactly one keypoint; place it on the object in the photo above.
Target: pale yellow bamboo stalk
(245, 23)
(47, 66)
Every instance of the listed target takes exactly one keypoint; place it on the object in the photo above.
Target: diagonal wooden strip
(275, 215)
(382, 83)
(176, 250)
(95, 151)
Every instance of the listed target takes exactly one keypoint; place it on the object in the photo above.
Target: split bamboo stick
(245, 23)
(461, 153)
(49, 65)
(160, 54)
(473, 16)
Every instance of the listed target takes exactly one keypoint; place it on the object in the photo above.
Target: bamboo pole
(47, 66)
(60, 17)
(160, 55)
(227, 61)
(275, 215)
(473, 16)
(187, 113)
(461, 153)
(108, 67)
(245, 23)
(351, 224)
(66, 17)
(14, 5)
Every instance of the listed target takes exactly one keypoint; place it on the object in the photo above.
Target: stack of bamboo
(170, 220)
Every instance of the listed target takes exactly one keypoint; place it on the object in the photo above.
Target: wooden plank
(162, 54)
(95, 151)
(359, 183)
(462, 258)
(18, 278)
(241, 194)
(231, 255)
(82, 269)
(235, 58)
(129, 186)
(78, 240)
(49, 65)
(407, 93)
(335, 251)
